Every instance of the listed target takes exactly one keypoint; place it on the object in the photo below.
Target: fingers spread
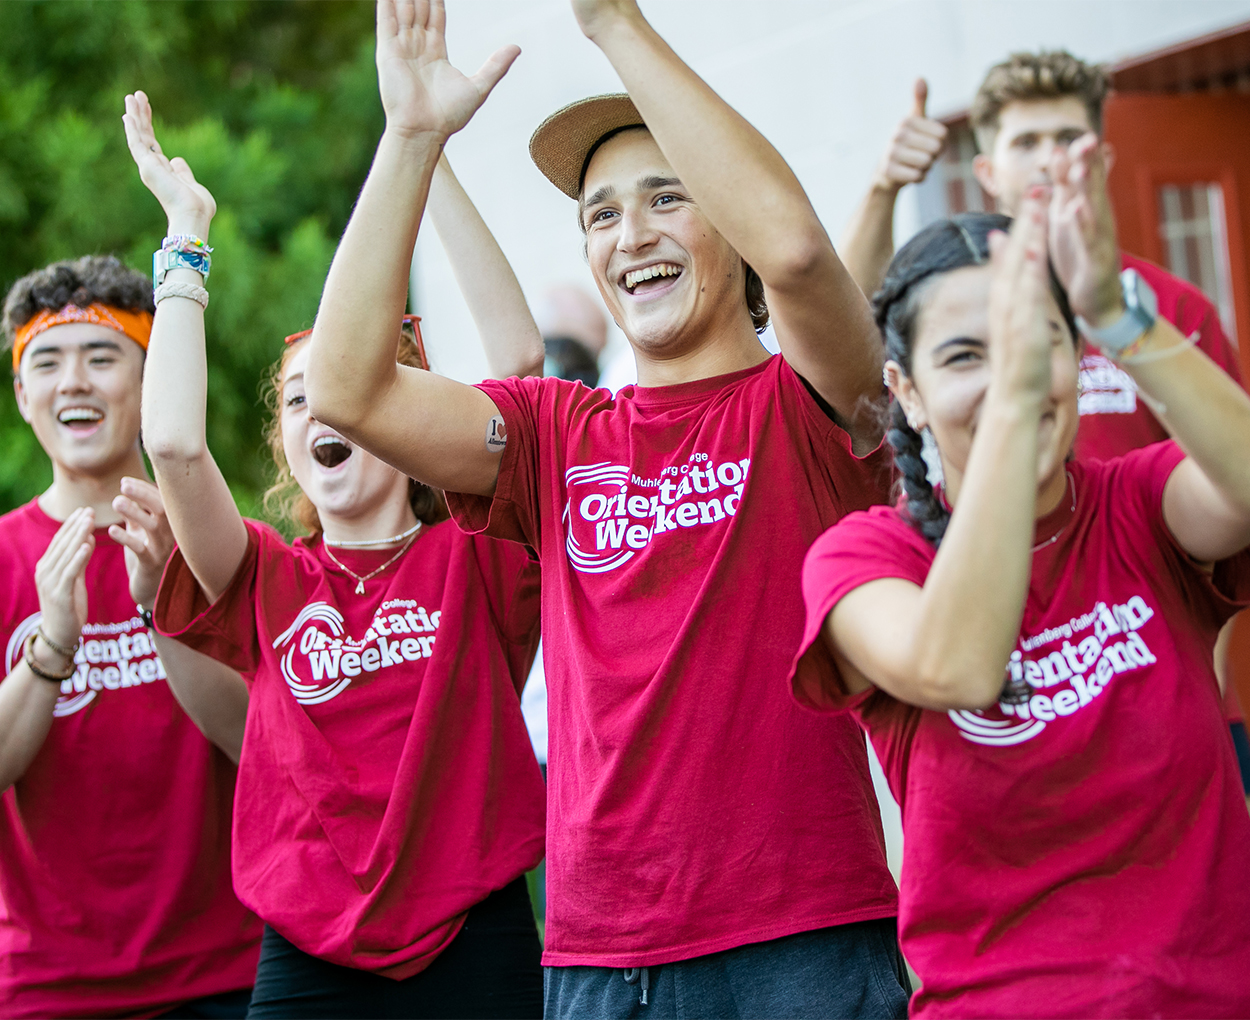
(496, 67)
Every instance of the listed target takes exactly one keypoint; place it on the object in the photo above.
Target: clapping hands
(1083, 246)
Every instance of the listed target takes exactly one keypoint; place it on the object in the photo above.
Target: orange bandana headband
(136, 325)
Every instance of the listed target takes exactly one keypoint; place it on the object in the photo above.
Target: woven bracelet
(185, 290)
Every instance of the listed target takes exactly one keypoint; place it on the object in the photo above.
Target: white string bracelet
(185, 290)
(1167, 352)
(1158, 407)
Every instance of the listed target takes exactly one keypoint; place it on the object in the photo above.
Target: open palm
(421, 91)
(186, 202)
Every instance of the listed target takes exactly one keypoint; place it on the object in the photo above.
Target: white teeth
(327, 440)
(80, 414)
(637, 276)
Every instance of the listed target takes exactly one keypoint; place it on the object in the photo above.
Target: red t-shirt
(1087, 854)
(692, 806)
(115, 894)
(1114, 418)
(387, 782)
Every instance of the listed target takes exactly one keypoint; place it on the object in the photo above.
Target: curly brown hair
(284, 499)
(1048, 74)
(81, 282)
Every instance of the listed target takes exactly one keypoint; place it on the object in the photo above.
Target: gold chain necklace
(360, 581)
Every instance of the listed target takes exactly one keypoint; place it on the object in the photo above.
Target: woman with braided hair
(1028, 645)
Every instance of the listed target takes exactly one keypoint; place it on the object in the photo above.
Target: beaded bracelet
(38, 670)
(186, 290)
(184, 242)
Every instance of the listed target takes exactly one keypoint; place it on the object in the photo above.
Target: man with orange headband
(115, 895)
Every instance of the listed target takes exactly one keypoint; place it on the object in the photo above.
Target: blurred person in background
(1027, 108)
(115, 890)
(575, 332)
(388, 804)
(714, 849)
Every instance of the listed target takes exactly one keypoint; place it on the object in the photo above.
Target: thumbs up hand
(914, 148)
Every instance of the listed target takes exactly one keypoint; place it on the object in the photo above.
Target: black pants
(490, 969)
(850, 970)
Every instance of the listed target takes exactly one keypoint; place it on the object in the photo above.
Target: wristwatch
(1141, 308)
(163, 261)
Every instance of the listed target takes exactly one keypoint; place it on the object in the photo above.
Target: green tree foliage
(274, 105)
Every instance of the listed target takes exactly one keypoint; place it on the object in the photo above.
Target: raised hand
(595, 16)
(421, 92)
(1019, 320)
(60, 578)
(1083, 244)
(189, 205)
(914, 148)
(147, 537)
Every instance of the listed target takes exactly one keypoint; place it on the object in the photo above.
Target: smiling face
(670, 280)
(1029, 131)
(79, 387)
(342, 480)
(950, 373)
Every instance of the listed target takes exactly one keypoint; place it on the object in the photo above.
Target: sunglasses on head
(412, 321)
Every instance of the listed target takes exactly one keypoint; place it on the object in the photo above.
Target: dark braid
(925, 511)
(938, 249)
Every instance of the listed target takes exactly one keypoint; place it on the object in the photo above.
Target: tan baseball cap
(563, 142)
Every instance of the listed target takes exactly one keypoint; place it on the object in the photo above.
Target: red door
(1175, 153)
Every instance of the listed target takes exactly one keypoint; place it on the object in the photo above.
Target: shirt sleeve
(857, 481)
(511, 576)
(513, 512)
(861, 548)
(1226, 587)
(225, 630)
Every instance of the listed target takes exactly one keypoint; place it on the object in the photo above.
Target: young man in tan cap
(713, 849)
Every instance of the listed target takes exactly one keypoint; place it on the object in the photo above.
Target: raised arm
(431, 428)
(202, 512)
(946, 645)
(490, 288)
(1206, 502)
(821, 318)
(867, 243)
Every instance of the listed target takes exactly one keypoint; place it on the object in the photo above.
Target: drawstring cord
(640, 976)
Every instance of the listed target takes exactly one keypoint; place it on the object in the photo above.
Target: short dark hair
(1048, 74)
(81, 282)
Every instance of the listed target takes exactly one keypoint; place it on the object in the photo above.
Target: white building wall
(825, 80)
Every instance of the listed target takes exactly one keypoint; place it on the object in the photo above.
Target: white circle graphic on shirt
(584, 485)
(15, 652)
(310, 693)
(994, 732)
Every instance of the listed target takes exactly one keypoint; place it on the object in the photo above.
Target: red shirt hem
(705, 947)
